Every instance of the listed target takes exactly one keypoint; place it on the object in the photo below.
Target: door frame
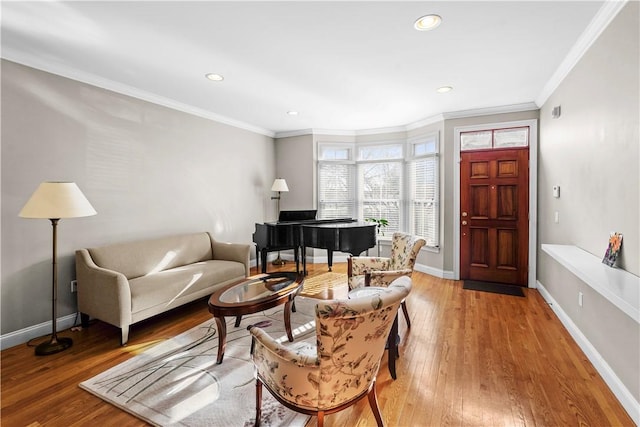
(533, 191)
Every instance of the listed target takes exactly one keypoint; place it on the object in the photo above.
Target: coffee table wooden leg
(222, 337)
(287, 319)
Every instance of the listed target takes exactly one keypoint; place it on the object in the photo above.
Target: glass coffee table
(251, 295)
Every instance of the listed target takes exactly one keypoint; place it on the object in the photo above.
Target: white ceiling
(344, 66)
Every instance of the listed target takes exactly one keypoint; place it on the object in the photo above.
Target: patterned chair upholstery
(341, 368)
(381, 271)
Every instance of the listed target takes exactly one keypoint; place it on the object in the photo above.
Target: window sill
(386, 241)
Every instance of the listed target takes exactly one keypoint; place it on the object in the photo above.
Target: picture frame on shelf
(613, 249)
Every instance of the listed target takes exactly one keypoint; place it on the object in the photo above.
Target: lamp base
(278, 261)
(54, 345)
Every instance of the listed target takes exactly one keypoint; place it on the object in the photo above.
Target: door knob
(464, 222)
(464, 214)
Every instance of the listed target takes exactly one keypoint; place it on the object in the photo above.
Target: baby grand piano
(298, 230)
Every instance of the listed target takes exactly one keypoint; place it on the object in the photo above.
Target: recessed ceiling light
(292, 113)
(444, 89)
(427, 22)
(214, 77)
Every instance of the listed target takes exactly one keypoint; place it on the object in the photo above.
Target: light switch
(556, 217)
(556, 191)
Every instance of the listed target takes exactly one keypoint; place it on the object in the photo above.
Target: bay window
(397, 181)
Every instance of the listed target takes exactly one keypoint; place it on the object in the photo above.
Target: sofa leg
(125, 335)
(84, 320)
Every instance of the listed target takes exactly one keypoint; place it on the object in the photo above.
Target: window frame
(494, 145)
(412, 157)
(349, 161)
(407, 159)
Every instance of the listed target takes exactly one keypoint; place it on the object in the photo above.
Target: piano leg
(263, 259)
(304, 260)
(330, 258)
(297, 258)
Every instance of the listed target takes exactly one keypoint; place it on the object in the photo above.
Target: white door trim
(533, 190)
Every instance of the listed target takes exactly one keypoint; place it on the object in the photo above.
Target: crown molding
(425, 122)
(378, 131)
(310, 131)
(515, 108)
(603, 18)
(93, 80)
(503, 109)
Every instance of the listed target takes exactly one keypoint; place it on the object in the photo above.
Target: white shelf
(618, 286)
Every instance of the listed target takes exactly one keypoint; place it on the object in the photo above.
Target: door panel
(507, 203)
(507, 168)
(479, 245)
(494, 201)
(479, 170)
(479, 202)
(507, 249)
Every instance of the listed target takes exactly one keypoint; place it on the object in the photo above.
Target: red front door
(494, 215)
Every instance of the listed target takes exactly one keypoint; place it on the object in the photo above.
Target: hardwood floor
(470, 359)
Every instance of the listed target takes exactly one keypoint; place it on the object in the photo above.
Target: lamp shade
(279, 185)
(57, 200)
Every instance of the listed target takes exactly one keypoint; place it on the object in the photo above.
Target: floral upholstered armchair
(381, 271)
(341, 368)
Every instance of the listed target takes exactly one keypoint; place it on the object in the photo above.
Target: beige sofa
(125, 283)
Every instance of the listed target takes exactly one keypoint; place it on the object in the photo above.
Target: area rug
(496, 288)
(178, 383)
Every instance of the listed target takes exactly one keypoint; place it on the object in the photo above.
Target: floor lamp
(53, 201)
(279, 185)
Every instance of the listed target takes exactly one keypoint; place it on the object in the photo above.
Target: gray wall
(295, 163)
(148, 170)
(591, 151)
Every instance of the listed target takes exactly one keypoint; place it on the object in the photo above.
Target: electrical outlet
(74, 286)
(580, 299)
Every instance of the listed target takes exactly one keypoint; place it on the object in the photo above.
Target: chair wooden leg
(406, 314)
(373, 402)
(258, 402)
(320, 418)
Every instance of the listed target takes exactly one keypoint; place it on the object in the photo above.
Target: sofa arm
(102, 293)
(239, 252)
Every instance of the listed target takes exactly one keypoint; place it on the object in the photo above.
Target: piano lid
(303, 215)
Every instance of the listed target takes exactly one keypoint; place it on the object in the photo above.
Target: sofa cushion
(136, 259)
(166, 286)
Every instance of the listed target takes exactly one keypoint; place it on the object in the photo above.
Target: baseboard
(443, 274)
(630, 404)
(41, 330)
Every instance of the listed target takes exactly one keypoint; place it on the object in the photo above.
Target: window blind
(336, 190)
(423, 201)
(381, 192)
